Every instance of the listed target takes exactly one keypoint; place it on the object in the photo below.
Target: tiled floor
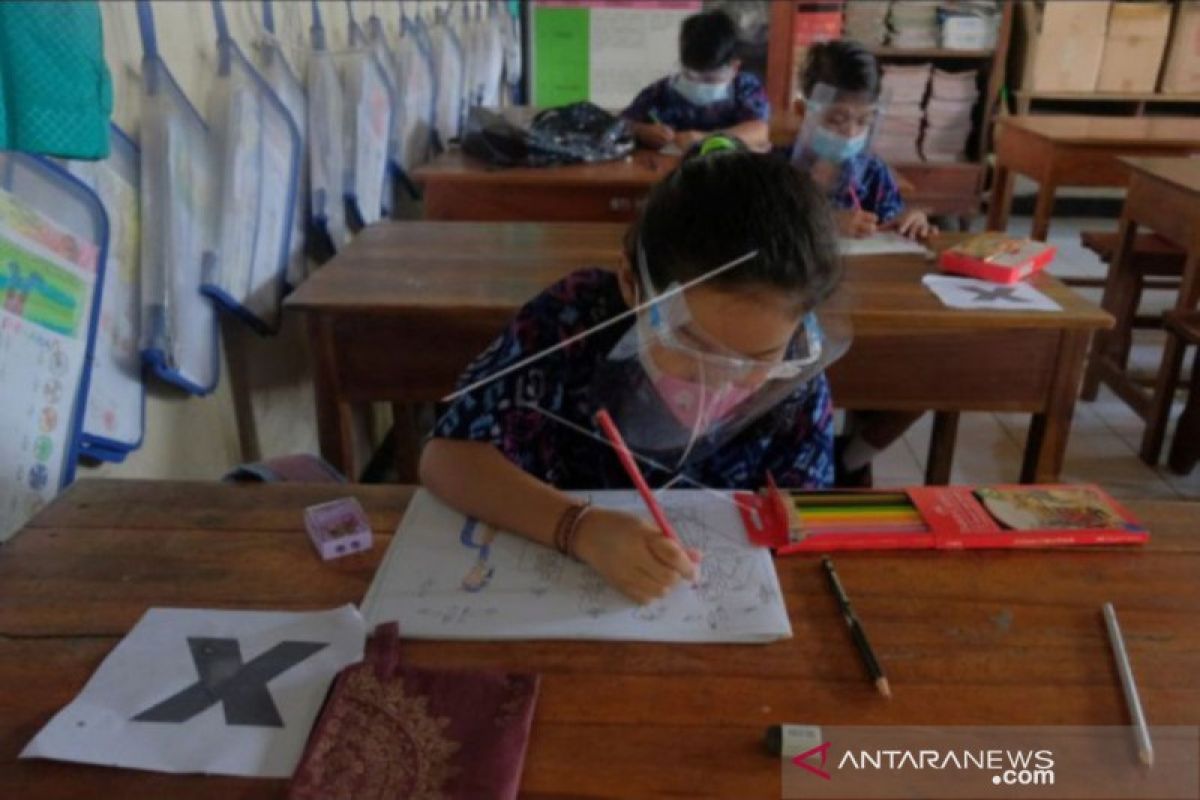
(1105, 435)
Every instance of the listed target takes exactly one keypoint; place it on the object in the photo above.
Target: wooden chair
(1157, 264)
(1185, 449)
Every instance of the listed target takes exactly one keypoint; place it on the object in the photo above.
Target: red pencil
(614, 436)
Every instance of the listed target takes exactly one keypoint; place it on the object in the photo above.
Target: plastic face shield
(677, 394)
(837, 127)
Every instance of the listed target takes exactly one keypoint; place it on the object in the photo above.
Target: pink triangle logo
(802, 759)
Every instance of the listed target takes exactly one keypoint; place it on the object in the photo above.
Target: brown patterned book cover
(393, 731)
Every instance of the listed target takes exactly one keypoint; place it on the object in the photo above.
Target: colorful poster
(46, 280)
(604, 51)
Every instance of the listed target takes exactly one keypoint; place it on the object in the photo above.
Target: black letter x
(241, 689)
(999, 293)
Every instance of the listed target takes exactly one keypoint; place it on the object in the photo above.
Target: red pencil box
(951, 517)
(997, 257)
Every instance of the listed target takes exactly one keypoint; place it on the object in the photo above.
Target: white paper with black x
(971, 293)
(193, 690)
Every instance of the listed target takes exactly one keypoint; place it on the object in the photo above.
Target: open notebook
(882, 243)
(447, 577)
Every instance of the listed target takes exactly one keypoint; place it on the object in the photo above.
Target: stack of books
(914, 24)
(866, 21)
(898, 130)
(970, 24)
(952, 95)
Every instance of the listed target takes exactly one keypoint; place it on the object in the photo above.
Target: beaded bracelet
(568, 527)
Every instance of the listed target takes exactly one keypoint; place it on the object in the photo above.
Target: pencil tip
(1147, 757)
(884, 687)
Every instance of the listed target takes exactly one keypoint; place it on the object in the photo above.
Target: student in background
(709, 94)
(858, 183)
(867, 199)
(504, 453)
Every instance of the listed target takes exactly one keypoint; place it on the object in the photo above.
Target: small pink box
(338, 528)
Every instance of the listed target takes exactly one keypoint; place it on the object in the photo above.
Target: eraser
(338, 528)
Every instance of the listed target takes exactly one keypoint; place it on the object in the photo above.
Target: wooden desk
(1164, 195)
(393, 320)
(1077, 151)
(968, 638)
(459, 187)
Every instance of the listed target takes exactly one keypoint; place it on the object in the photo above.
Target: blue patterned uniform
(747, 102)
(873, 183)
(794, 441)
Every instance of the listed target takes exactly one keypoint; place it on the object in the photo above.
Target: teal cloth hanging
(55, 89)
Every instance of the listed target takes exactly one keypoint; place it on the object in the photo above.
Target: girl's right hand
(633, 555)
(856, 223)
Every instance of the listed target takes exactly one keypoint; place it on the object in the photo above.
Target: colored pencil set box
(936, 517)
(997, 257)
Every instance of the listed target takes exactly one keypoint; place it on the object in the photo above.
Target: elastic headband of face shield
(838, 125)
(678, 396)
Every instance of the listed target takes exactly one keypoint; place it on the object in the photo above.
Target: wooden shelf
(1111, 97)
(932, 52)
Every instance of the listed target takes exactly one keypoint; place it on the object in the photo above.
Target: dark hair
(707, 40)
(717, 207)
(843, 64)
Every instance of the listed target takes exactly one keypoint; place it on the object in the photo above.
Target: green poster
(560, 45)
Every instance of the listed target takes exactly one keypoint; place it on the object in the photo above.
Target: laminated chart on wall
(448, 63)
(280, 76)
(367, 104)
(115, 415)
(601, 51)
(326, 139)
(258, 155)
(491, 55)
(179, 196)
(414, 66)
(376, 39)
(53, 243)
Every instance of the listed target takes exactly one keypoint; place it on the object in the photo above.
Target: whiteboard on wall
(605, 51)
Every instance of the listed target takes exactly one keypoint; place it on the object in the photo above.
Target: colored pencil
(850, 499)
(605, 421)
(1140, 731)
(856, 630)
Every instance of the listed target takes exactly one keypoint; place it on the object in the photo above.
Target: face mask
(692, 404)
(699, 93)
(830, 146)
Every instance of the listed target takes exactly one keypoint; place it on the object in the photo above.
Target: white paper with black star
(220, 692)
(958, 292)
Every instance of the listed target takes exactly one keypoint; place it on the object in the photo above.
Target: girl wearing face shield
(705, 348)
(708, 94)
(840, 80)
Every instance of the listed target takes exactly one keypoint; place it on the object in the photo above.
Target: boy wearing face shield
(711, 371)
(840, 81)
(709, 94)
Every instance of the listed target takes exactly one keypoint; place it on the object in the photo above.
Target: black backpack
(564, 135)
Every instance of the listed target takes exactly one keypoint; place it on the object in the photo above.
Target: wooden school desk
(459, 187)
(1164, 195)
(967, 638)
(399, 314)
(1076, 151)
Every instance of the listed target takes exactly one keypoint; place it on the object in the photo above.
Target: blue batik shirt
(874, 185)
(747, 102)
(794, 441)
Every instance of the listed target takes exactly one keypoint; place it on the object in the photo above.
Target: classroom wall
(198, 438)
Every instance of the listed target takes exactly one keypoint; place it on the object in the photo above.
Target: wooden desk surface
(452, 268)
(1076, 129)
(643, 168)
(983, 638)
(1183, 173)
